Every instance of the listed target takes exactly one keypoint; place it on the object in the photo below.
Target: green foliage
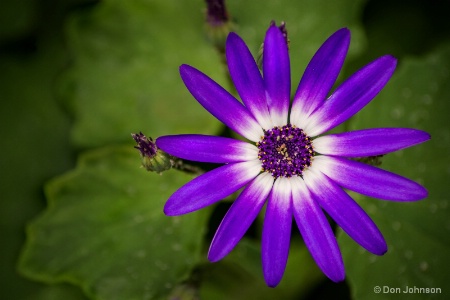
(34, 148)
(104, 230)
(125, 73)
(418, 234)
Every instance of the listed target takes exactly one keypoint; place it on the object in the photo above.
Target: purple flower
(298, 174)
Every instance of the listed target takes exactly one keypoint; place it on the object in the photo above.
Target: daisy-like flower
(287, 163)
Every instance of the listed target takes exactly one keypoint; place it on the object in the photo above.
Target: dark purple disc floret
(285, 151)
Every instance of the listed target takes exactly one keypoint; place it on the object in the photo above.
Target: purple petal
(277, 75)
(345, 211)
(369, 142)
(220, 103)
(320, 76)
(316, 231)
(277, 232)
(247, 79)
(206, 148)
(240, 216)
(351, 96)
(368, 180)
(211, 187)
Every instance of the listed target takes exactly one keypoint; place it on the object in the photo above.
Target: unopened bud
(152, 158)
(218, 23)
(216, 13)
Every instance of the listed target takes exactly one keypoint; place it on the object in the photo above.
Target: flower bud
(218, 23)
(153, 159)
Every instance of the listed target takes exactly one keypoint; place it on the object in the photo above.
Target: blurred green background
(78, 76)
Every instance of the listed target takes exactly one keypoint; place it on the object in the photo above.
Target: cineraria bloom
(288, 163)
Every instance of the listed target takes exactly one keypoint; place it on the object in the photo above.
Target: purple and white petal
(240, 216)
(277, 232)
(277, 75)
(320, 76)
(247, 79)
(316, 231)
(211, 187)
(369, 142)
(369, 180)
(205, 148)
(351, 96)
(220, 103)
(345, 211)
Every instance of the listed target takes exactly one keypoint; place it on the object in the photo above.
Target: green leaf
(125, 74)
(34, 148)
(105, 230)
(239, 275)
(418, 234)
(127, 53)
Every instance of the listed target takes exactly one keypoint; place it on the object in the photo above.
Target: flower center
(285, 151)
